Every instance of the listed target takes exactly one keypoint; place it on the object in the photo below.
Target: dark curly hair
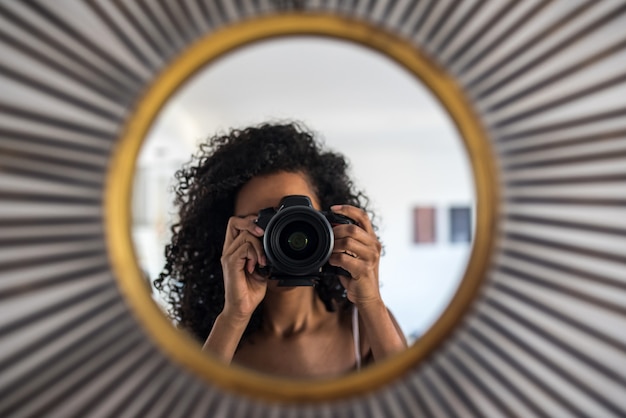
(191, 279)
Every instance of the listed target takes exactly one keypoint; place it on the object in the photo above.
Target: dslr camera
(298, 241)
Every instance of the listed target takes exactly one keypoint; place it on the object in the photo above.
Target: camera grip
(334, 270)
(265, 215)
(338, 219)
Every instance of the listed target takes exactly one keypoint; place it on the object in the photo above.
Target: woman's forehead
(268, 190)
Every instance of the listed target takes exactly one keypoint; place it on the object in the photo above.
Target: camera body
(298, 241)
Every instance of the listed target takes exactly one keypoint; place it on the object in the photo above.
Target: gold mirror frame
(178, 345)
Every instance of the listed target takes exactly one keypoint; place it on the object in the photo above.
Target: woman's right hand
(244, 288)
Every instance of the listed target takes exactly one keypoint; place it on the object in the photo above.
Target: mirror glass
(404, 151)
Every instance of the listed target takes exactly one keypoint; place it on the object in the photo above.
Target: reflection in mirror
(403, 149)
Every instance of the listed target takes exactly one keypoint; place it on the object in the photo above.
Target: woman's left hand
(357, 250)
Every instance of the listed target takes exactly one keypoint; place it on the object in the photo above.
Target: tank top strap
(356, 337)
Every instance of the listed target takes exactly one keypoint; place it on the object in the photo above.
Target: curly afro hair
(191, 279)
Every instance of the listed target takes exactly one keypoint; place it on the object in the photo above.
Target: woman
(212, 280)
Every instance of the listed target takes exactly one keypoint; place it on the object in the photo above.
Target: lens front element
(298, 241)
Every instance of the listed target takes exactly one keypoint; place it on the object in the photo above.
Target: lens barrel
(298, 241)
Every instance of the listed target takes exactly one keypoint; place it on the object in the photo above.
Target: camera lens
(298, 241)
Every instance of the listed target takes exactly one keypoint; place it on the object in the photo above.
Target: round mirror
(404, 151)
(416, 150)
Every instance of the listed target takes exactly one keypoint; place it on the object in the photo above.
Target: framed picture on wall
(460, 224)
(424, 225)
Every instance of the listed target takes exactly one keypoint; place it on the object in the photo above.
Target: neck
(291, 311)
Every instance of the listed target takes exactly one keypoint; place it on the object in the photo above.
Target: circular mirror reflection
(404, 151)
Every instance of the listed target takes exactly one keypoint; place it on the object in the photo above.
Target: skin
(299, 337)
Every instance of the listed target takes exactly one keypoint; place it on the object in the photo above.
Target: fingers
(356, 214)
(356, 248)
(354, 231)
(249, 247)
(242, 243)
(236, 225)
(354, 256)
(346, 234)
